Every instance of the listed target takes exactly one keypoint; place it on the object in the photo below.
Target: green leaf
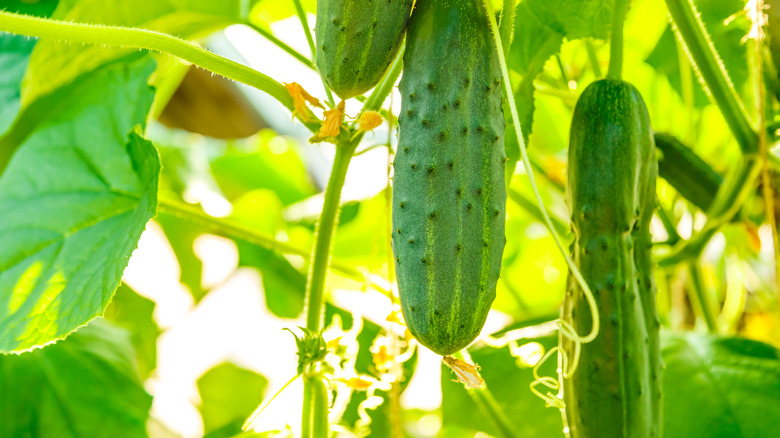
(228, 394)
(574, 18)
(534, 43)
(41, 8)
(181, 235)
(55, 64)
(136, 314)
(85, 386)
(720, 387)
(75, 198)
(509, 385)
(15, 53)
(269, 162)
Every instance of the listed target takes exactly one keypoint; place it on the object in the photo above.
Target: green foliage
(86, 385)
(228, 396)
(59, 275)
(14, 54)
(449, 195)
(357, 42)
(507, 379)
(720, 387)
(135, 314)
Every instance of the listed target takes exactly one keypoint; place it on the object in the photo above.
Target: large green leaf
(74, 201)
(719, 387)
(41, 8)
(85, 386)
(228, 396)
(14, 55)
(136, 314)
(55, 64)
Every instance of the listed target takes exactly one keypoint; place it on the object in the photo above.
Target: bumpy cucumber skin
(449, 198)
(616, 391)
(357, 40)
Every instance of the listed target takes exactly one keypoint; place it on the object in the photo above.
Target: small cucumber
(615, 392)
(449, 197)
(357, 40)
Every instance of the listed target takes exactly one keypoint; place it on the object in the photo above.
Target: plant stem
(700, 298)
(526, 204)
(306, 30)
(306, 416)
(702, 53)
(616, 44)
(381, 91)
(282, 45)
(594, 60)
(134, 38)
(324, 232)
(319, 393)
(228, 228)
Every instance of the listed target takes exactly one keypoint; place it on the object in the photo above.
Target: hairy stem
(134, 38)
(703, 54)
(319, 394)
(616, 44)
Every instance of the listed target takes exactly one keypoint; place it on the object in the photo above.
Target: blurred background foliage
(235, 154)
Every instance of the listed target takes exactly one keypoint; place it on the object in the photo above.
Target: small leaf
(228, 396)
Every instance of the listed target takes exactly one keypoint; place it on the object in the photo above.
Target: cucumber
(615, 391)
(357, 40)
(449, 197)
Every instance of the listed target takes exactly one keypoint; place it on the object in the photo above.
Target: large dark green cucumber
(449, 197)
(615, 391)
(357, 40)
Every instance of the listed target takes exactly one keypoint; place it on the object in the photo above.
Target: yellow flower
(332, 124)
(300, 98)
(467, 373)
(369, 120)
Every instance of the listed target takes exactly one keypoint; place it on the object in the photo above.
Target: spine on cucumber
(449, 197)
(615, 392)
(357, 41)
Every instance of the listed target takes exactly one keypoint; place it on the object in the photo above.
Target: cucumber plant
(449, 195)
(449, 218)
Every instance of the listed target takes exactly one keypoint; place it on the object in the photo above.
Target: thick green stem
(700, 298)
(616, 44)
(702, 53)
(133, 38)
(319, 394)
(306, 416)
(326, 228)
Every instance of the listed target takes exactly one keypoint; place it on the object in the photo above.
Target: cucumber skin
(616, 390)
(449, 198)
(357, 40)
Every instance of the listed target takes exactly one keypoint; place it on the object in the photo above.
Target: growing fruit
(357, 40)
(449, 196)
(611, 192)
